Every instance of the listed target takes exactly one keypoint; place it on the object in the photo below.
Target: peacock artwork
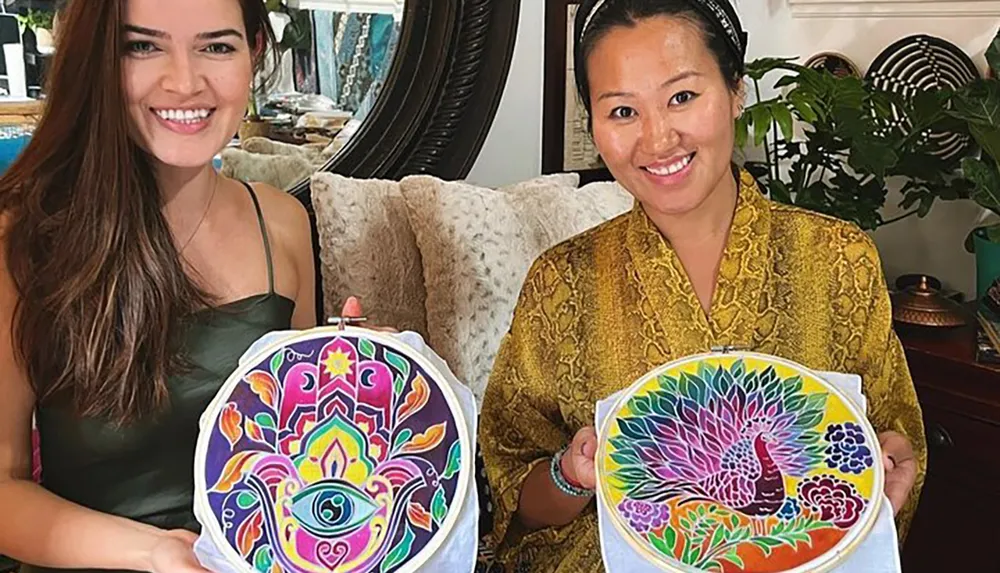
(332, 451)
(739, 462)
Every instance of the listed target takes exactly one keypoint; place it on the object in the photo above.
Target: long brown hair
(102, 293)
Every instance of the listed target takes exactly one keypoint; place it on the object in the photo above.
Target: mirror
(26, 33)
(334, 60)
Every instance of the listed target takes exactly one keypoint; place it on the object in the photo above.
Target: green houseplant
(41, 23)
(977, 106)
(848, 147)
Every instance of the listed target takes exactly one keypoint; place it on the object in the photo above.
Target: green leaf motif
(399, 363)
(734, 558)
(366, 348)
(401, 438)
(660, 544)
(640, 405)
(263, 559)
(625, 458)
(670, 538)
(400, 552)
(246, 499)
(265, 420)
(454, 461)
(795, 403)
(276, 363)
(439, 506)
(816, 401)
(718, 538)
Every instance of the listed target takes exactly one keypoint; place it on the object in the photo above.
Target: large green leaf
(783, 116)
(993, 55)
(804, 105)
(742, 128)
(986, 180)
(988, 137)
(871, 155)
(757, 69)
(761, 122)
(979, 103)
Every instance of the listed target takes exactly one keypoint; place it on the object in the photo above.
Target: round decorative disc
(332, 450)
(738, 462)
(837, 64)
(923, 63)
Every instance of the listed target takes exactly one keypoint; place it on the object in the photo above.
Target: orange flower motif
(230, 424)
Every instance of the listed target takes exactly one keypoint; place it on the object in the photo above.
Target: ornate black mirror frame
(438, 101)
(440, 96)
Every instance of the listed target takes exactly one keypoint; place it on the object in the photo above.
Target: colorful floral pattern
(715, 462)
(334, 453)
(837, 501)
(644, 516)
(847, 451)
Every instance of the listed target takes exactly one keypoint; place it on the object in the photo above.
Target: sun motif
(337, 363)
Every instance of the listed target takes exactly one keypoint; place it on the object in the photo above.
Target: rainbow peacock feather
(713, 458)
(335, 452)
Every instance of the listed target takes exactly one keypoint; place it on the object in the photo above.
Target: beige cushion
(281, 171)
(476, 246)
(367, 250)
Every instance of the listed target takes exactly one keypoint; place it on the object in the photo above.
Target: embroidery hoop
(820, 564)
(205, 515)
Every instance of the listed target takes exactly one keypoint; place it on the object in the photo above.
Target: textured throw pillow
(368, 250)
(477, 245)
(281, 171)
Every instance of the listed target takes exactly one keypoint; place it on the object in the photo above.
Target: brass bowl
(924, 305)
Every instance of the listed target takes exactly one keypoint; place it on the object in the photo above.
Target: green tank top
(145, 471)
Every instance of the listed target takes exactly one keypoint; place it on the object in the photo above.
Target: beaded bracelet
(555, 470)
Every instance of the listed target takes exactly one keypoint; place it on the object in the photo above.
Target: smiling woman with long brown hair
(132, 277)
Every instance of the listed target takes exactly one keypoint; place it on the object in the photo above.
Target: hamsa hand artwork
(333, 451)
(739, 462)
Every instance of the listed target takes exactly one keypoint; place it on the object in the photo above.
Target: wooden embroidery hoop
(822, 564)
(442, 379)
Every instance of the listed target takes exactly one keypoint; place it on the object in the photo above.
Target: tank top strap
(263, 233)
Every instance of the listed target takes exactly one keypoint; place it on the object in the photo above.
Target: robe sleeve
(888, 385)
(521, 424)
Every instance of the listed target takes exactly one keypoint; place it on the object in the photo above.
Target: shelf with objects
(27, 37)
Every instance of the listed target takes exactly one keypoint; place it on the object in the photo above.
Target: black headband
(719, 13)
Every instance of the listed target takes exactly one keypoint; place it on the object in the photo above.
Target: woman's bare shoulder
(285, 215)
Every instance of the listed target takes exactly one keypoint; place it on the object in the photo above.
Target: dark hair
(628, 13)
(102, 292)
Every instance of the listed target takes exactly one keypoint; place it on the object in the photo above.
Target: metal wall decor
(837, 64)
(922, 63)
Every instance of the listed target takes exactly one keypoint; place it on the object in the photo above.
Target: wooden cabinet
(957, 525)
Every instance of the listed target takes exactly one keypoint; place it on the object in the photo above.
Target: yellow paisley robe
(600, 310)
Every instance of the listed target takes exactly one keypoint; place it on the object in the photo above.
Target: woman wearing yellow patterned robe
(703, 260)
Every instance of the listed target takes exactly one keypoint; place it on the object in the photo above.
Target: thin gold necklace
(203, 215)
